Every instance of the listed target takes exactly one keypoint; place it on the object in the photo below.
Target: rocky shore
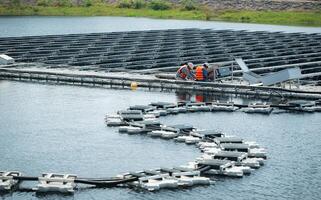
(263, 4)
(256, 4)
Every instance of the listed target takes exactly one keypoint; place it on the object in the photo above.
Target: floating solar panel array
(139, 50)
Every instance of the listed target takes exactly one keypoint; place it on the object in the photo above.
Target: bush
(208, 12)
(15, 3)
(42, 3)
(124, 4)
(245, 19)
(189, 4)
(87, 3)
(60, 3)
(159, 5)
(135, 4)
(35, 9)
(53, 3)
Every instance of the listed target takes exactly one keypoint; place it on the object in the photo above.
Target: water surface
(56, 128)
(22, 26)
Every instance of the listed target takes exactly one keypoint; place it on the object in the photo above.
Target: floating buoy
(133, 85)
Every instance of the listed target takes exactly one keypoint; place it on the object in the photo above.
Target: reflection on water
(200, 96)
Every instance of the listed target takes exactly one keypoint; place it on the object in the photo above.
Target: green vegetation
(160, 5)
(305, 18)
(189, 4)
(138, 4)
(187, 9)
(135, 4)
(101, 11)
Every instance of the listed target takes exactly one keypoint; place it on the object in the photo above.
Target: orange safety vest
(181, 73)
(199, 73)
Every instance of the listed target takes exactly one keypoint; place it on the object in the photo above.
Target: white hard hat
(190, 64)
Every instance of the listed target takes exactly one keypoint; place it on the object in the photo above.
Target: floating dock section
(116, 80)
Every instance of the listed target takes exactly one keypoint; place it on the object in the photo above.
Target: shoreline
(289, 18)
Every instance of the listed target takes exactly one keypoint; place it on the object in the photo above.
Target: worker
(212, 72)
(201, 72)
(185, 72)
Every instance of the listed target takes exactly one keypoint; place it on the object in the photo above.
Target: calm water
(50, 128)
(18, 26)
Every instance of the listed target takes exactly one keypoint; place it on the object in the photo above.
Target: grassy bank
(303, 18)
(102, 11)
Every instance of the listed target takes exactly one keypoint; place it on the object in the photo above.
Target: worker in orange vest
(201, 72)
(185, 72)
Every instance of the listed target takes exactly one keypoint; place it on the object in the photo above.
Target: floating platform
(6, 180)
(50, 182)
(262, 108)
(90, 58)
(124, 80)
(164, 49)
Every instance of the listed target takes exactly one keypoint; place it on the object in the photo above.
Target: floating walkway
(125, 80)
(221, 155)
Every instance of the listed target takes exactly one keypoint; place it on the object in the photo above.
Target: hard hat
(206, 64)
(190, 64)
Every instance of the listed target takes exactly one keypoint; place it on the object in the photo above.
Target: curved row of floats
(158, 109)
(221, 154)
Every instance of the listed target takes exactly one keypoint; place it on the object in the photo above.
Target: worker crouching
(201, 73)
(212, 72)
(185, 72)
